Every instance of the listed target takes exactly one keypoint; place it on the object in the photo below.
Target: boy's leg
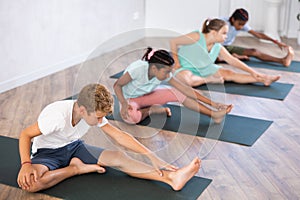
(239, 52)
(138, 169)
(72, 157)
(47, 179)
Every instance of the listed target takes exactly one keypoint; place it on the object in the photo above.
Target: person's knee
(252, 52)
(35, 186)
(134, 115)
(184, 77)
(227, 74)
(118, 160)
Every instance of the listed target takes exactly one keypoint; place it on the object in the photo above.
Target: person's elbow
(116, 85)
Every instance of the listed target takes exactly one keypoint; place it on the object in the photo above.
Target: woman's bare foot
(219, 115)
(82, 168)
(157, 109)
(270, 79)
(180, 177)
(289, 57)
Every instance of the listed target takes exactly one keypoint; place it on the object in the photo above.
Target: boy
(58, 153)
(238, 22)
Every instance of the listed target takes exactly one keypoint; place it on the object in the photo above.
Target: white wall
(292, 25)
(40, 37)
(179, 16)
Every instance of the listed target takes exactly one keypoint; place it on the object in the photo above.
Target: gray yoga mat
(109, 186)
(277, 91)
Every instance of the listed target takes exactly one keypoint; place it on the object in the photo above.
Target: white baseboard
(34, 75)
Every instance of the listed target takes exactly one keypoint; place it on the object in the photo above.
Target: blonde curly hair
(96, 97)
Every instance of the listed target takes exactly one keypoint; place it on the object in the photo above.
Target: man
(58, 153)
(238, 22)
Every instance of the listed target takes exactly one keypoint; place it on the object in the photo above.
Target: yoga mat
(117, 75)
(233, 129)
(294, 67)
(277, 91)
(111, 185)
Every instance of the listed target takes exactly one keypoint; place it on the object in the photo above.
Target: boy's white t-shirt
(55, 123)
(232, 32)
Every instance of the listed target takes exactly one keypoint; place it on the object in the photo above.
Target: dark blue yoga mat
(109, 186)
(234, 129)
(277, 91)
(294, 67)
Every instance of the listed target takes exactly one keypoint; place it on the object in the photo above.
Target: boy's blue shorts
(61, 157)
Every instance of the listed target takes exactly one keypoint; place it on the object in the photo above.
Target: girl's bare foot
(220, 106)
(168, 111)
(270, 79)
(157, 109)
(219, 115)
(183, 175)
(289, 57)
(82, 168)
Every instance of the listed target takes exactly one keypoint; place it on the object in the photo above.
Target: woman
(195, 55)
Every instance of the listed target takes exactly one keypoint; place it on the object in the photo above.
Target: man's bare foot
(270, 79)
(157, 109)
(289, 57)
(219, 115)
(82, 168)
(180, 177)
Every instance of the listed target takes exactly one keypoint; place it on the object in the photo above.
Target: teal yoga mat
(294, 67)
(276, 91)
(234, 129)
(109, 186)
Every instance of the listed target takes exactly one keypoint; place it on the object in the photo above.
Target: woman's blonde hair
(212, 24)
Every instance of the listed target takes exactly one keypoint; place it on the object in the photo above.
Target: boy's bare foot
(289, 57)
(270, 79)
(157, 109)
(180, 177)
(241, 57)
(219, 115)
(82, 168)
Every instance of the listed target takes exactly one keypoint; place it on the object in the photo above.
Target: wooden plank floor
(270, 169)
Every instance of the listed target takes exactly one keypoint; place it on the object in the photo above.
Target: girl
(198, 53)
(138, 94)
